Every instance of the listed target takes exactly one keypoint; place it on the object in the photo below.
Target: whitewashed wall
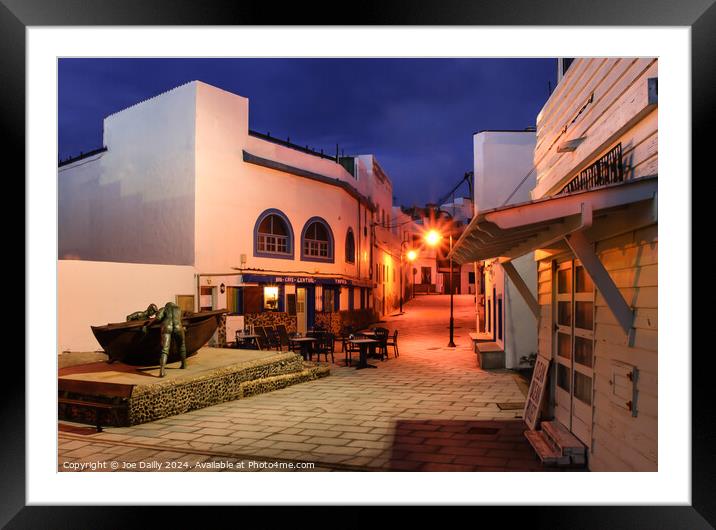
(97, 293)
(503, 169)
(173, 189)
(231, 193)
(134, 202)
(502, 159)
(520, 322)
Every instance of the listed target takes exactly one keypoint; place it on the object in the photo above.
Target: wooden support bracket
(583, 249)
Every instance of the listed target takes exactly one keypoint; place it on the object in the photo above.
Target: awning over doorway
(573, 221)
(290, 278)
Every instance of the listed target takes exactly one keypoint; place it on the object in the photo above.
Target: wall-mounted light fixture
(222, 288)
(570, 145)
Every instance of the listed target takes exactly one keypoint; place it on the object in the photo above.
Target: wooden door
(301, 324)
(574, 348)
(583, 347)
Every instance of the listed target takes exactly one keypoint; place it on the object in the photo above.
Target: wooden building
(592, 227)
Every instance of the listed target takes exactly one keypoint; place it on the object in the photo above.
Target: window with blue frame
(331, 299)
(273, 235)
(317, 241)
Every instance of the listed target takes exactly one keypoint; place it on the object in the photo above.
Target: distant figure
(172, 327)
(144, 315)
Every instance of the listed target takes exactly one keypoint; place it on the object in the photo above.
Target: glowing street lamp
(432, 238)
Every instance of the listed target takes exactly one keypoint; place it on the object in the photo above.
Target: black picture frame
(699, 15)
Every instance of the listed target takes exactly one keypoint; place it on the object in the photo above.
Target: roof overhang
(574, 221)
(512, 231)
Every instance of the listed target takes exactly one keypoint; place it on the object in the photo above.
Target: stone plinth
(213, 375)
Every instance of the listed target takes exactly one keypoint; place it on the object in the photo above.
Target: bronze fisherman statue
(144, 315)
(169, 317)
(172, 328)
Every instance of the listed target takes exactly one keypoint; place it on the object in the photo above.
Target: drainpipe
(197, 305)
(372, 241)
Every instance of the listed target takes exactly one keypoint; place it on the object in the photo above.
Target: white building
(184, 203)
(504, 175)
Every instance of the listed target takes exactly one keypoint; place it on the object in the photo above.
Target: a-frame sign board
(533, 405)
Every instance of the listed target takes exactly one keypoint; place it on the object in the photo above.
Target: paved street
(430, 409)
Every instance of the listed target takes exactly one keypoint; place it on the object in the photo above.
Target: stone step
(489, 355)
(562, 439)
(547, 454)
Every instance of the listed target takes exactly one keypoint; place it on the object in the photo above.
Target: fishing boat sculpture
(126, 342)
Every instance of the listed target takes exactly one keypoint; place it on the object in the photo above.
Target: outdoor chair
(394, 343)
(346, 331)
(284, 339)
(263, 337)
(348, 348)
(381, 335)
(273, 337)
(325, 346)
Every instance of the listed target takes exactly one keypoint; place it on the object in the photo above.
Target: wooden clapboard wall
(544, 330)
(620, 440)
(544, 297)
(623, 442)
(606, 101)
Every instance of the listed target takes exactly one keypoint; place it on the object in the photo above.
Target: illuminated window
(271, 298)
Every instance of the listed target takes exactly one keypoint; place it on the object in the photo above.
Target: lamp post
(411, 256)
(451, 344)
(432, 238)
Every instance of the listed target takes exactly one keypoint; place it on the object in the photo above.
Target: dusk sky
(417, 116)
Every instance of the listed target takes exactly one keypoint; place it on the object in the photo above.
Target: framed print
(289, 190)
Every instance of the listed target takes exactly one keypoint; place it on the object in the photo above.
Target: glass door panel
(574, 348)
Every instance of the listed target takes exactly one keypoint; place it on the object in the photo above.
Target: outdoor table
(304, 343)
(371, 334)
(364, 344)
(248, 337)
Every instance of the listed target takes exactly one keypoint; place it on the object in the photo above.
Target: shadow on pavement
(445, 445)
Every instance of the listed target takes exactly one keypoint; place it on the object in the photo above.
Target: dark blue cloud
(416, 115)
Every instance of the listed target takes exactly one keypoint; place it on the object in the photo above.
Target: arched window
(317, 241)
(273, 235)
(350, 247)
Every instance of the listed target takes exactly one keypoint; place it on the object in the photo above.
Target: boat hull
(125, 341)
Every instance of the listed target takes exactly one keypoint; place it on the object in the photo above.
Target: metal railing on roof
(81, 156)
(607, 170)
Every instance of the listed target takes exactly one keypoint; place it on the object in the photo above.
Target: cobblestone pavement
(431, 408)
